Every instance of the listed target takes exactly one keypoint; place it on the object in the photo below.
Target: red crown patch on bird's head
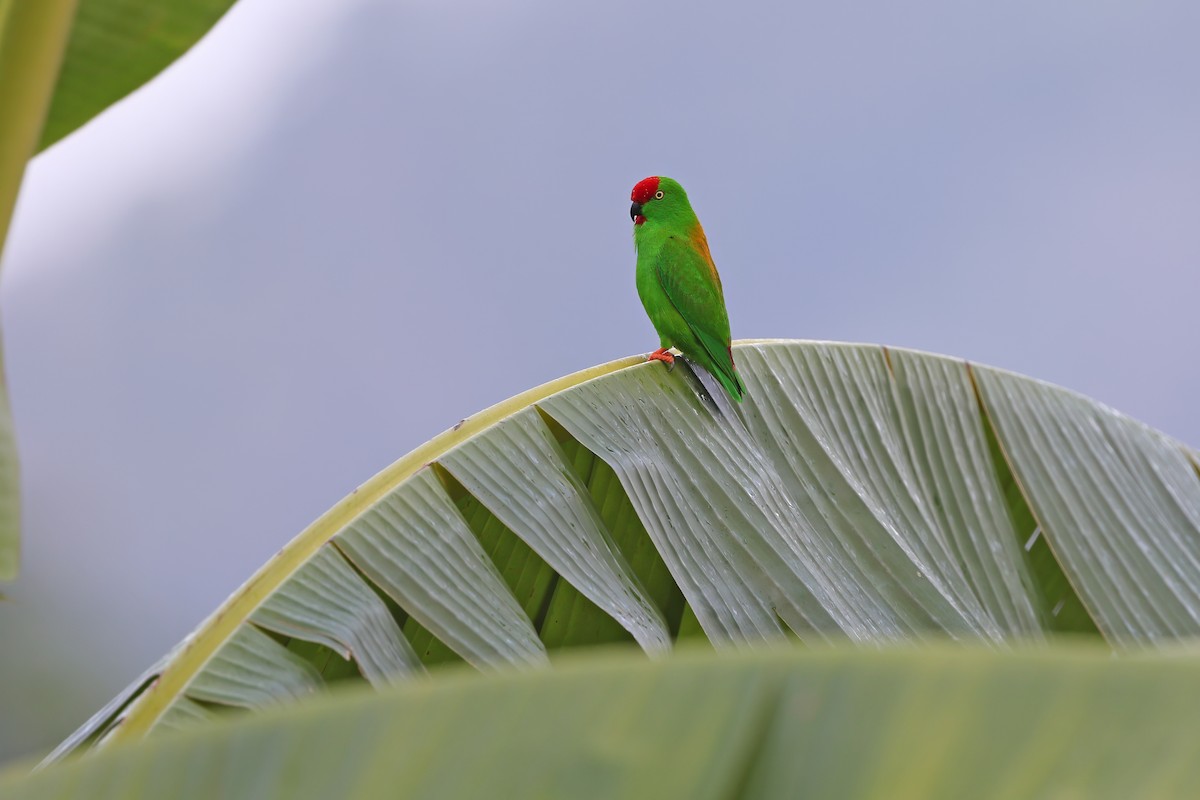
(643, 191)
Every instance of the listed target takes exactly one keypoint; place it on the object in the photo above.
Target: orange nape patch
(700, 242)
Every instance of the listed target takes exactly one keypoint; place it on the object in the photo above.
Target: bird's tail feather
(722, 367)
(732, 383)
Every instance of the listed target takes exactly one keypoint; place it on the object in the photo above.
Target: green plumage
(678, 282)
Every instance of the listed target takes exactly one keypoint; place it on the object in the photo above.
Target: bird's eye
(658, 195)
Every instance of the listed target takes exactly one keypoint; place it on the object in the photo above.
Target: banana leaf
(860, 494)
(816, 723)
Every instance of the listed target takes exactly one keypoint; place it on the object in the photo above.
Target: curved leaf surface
(115, 47)
(838, 723)
(858, 493)
(1118, 500)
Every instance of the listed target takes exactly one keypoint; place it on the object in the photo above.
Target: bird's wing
(690, 282)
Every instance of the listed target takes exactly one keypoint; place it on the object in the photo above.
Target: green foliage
(857, 493)
(115, 47)
(930, 723)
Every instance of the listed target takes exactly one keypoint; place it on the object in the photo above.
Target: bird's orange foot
(662, 355)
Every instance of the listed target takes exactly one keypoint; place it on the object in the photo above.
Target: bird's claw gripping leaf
(662, 355)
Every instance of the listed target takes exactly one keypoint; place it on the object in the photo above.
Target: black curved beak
(635, 211)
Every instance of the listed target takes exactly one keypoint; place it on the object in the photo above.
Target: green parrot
(678, 281)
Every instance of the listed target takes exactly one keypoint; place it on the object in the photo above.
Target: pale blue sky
(334, 229)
